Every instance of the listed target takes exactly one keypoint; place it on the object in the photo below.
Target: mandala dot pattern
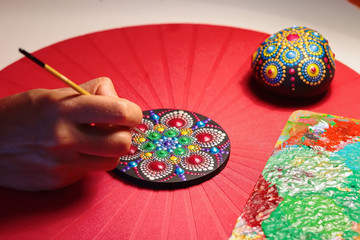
(295, 62)
(178, 149)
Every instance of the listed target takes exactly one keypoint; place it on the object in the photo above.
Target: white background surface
(34, 24)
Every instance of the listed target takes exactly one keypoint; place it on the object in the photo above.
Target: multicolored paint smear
(310, 186)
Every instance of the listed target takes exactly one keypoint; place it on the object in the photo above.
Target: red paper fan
(200, 68)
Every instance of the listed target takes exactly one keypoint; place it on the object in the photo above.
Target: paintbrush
(67, 81)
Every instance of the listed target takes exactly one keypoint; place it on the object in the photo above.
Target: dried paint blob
(180, 149)
(310, 186)
(294, 62)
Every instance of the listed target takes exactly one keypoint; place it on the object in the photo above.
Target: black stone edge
(171, 185)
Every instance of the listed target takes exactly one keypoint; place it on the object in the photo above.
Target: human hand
(48, 141)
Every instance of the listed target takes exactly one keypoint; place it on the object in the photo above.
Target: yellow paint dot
(271, 71)
(173, 158)
(148, 154)
(313, 70)
(142, 139)
(161, 129)
(191, 147)
(184, 132)
(254, 55)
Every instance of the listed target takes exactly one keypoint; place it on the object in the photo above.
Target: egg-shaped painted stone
(295, 62)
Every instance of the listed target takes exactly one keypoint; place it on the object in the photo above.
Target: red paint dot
(292, 71)
(142, 127)
(293, 85)
(132, 150)
(313, 69)
(176, 122)
(292, 37)
(195, 160)
(157, 166)
(326, 60)
(270, 71)
(292, 79)
(204, 137)
(328, 66)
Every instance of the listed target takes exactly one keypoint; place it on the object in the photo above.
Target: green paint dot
(171, 133)
(162, 154)
(150, 146)
(180, 151)
(184, 140)
(154, 136)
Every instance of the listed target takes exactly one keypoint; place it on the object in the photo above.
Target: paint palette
(178, 149)
(310, 186)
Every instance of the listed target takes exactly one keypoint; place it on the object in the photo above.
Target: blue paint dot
(314, 48)
(179, 171)
(270, 49)
(200, 124)
(291, 55)
(132, 164)
(214, 150)
(154, 117)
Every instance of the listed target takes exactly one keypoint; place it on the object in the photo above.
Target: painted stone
(295, 62)
(180, 149)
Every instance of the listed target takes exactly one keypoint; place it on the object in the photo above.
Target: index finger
(103, 110)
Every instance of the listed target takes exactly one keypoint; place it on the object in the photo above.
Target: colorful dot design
(270, 50)
(273, 72)
(294, 62)
(312, 71)
(291, 56)
(180, 149)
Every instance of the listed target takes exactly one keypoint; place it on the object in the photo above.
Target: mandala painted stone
(178, 149)
(294, 62)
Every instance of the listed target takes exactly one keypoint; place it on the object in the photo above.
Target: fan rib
(241, 164)
(105, 226)
(219, 58)
(214, 216)
(190, 66)
(167, 216)
(142, 69)
(252, 182)
(237, 195)
(144, 213)
(235, 186)
(248, 157)
(220, 193)
(228, 85)
(123, 79)
(78, 66)
(189, 206)
(233, 204)
(165, 64)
